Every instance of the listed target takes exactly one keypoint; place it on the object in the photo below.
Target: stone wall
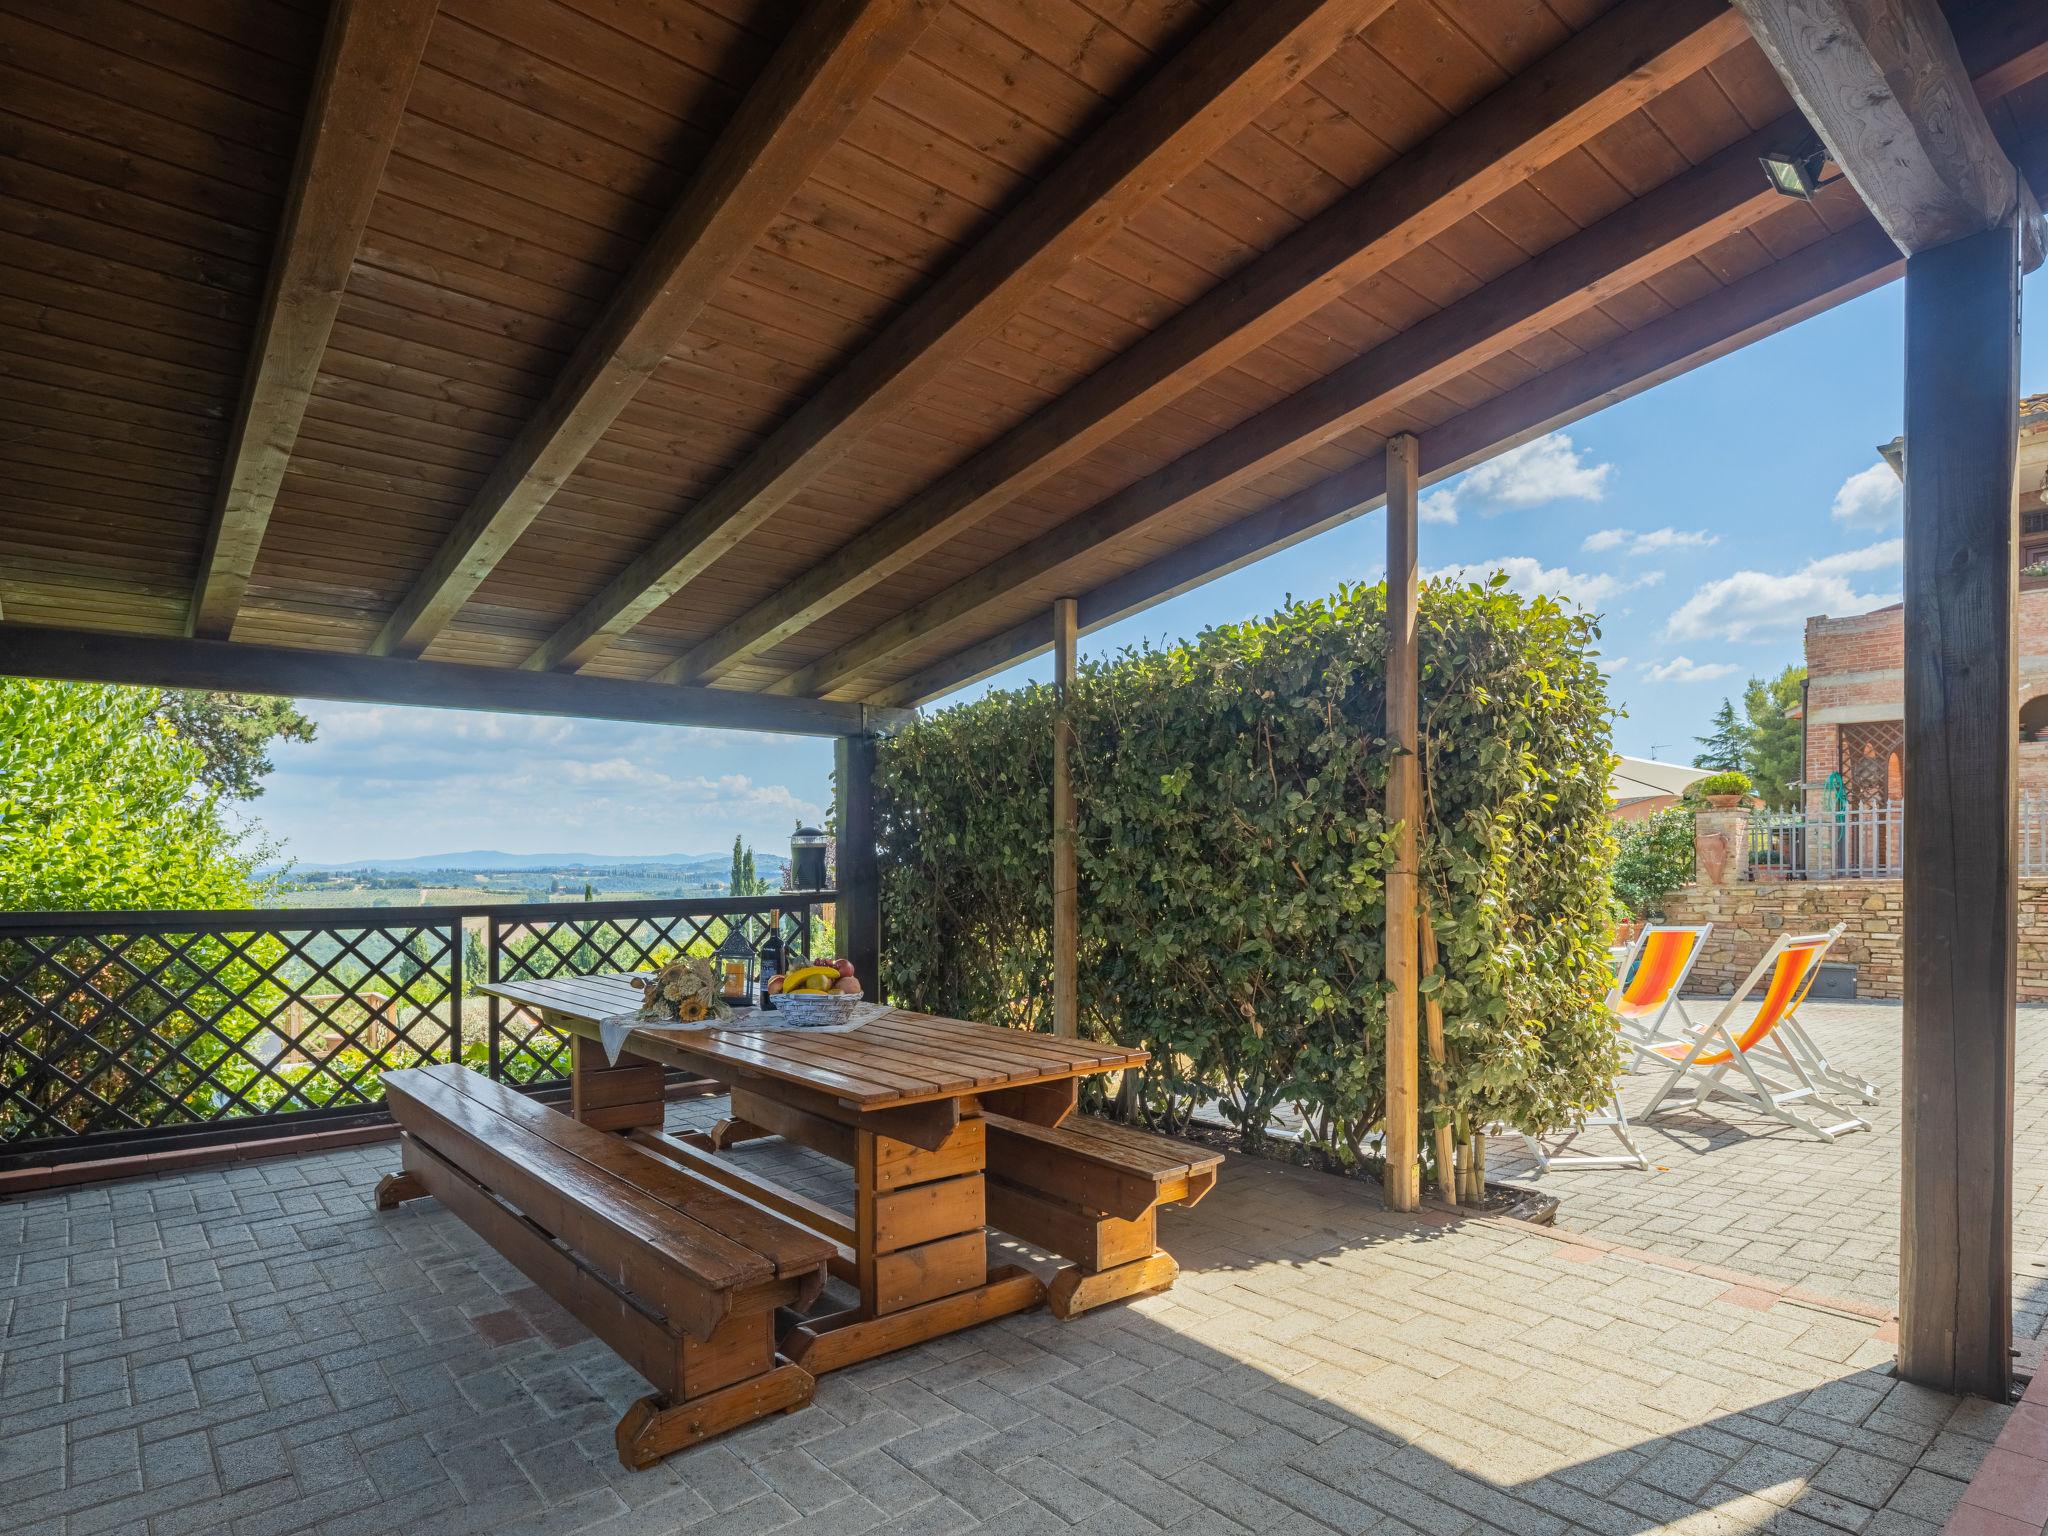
(1749, 916)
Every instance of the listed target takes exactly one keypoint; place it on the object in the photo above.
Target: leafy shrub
(1731, 781)
(1653, 859)
(103, 804)
(1233, 853)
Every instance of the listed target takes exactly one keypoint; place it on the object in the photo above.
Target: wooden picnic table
(899, 1099)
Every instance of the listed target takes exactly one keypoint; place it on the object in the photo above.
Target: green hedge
(1232, 854)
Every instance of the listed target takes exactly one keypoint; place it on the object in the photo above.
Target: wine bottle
(773, 960)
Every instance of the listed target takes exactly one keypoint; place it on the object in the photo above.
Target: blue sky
(1704, 520)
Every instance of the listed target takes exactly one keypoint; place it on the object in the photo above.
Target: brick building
(1854, 666)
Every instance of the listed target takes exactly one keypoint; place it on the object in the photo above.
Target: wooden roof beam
(1680, 219)
(1182, 115)
(367, 61)
(824, 73)
(1827, 273)
(155, 661)
(1584, 86)
(1883, 83)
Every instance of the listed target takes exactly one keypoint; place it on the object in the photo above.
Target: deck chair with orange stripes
(1645, 991)
(1646, 987)
(1740, 1054)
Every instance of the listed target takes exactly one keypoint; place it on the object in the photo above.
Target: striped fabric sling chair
(1655, 971)
(1646, 989)
(1743, 1055)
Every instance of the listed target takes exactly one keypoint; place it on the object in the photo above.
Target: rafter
(1883, 83)
(367, 61)
(824, 73)
(1827, 273)
(234, 666)
(1201, 98)
(1584, 87)
(1680, 219)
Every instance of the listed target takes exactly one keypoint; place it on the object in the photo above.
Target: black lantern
(735, 958)
(807, 847)
(1795, 170)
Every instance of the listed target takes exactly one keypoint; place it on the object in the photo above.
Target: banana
(811, 978)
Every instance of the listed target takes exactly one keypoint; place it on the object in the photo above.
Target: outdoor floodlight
(1795, 170)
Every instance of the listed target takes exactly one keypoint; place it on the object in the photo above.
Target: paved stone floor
(255, 1351)
(1732, 1188)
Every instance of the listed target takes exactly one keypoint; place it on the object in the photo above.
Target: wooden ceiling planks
(1607, 72)
(359, 89)
(1176, 120)
(1460, 176)
(820, 78)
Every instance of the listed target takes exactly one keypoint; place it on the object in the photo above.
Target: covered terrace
(783, 366)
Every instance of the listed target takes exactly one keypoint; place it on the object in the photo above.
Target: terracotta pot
(1769, 871)
(1725, 802)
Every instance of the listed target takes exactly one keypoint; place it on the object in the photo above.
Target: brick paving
(1732, 1188)
(253, 1350)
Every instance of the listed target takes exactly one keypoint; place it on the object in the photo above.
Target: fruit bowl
(812, 1010)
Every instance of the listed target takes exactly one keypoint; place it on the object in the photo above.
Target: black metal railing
(130, 1031)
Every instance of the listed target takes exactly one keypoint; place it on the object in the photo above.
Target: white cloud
(1656, 541)
(1530, 576)
(1612, 664)
(1882, 556)
(1870, 498)
(1548, 469)
(1683, 669)
(1756, 605)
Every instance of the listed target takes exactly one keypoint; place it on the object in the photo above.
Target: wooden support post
(1404, 805)
(859, 880)
(1961, 902)
(1066, 895)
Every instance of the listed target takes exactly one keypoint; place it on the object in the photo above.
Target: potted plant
(1768, 864)
(1724, 791)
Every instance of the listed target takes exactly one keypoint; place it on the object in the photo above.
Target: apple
(845, 967)
(847, 984)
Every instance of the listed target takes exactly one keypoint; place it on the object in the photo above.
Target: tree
(1763, 741)
(106, 805)
(1723, 747)
(233, 732)
(743, 881)
(1771, 756)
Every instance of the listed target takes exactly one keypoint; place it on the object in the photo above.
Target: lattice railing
(118, 1029)
(594, 937)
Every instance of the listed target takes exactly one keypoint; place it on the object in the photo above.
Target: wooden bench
(1090, 1191)
(681, 1278)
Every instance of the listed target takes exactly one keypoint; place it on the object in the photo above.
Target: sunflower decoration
(684, 990)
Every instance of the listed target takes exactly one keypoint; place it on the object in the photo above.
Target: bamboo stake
(1433, 1013)
(1402, 1183)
